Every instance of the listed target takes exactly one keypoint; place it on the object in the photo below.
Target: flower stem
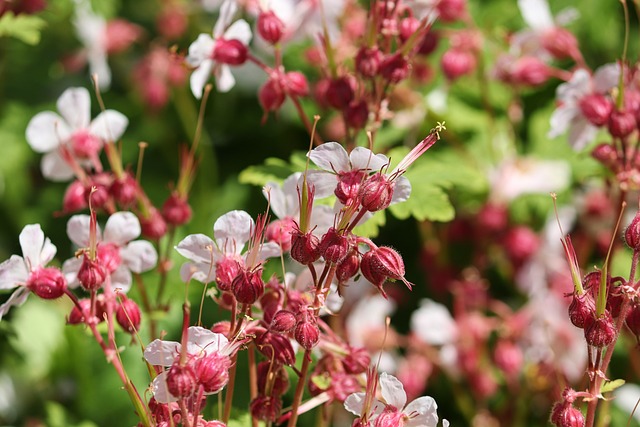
(297, 398)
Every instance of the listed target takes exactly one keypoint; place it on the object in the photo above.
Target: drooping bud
(357, 361)
(270, 27)
(176, 210)
(357, 114)
(376, 192)
(334, 246)
(564, 414)
(283, 321)
(305, 247)
(153, 226)
(395, 68)
(340, 92)
(368, 61)
(271, 95)
(75, 197)
(307, 334)
(621, 123)
(348, 267)
(212, 372)
(92, 273)
(606, 154)
(600, 332)
(633, 320)
(232, 52)
(172, 21)
(47, 283)
(266, 408)
(456, 63)
(276, 347)
(181, 380)
(493, 217)
(128, 315)
(530, 71)
(408, 26)
(560, 43)
(508, 357)
(429, 43)
(120, 34)
(380, 264)
(297, 84)
(76, 315)
(248, 286)
(124, 190)
(451, 10)
(521, 243)
(596, 108)
(582, 309)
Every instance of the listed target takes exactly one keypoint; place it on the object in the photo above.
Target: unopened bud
(176, 210)
(560, 43)
(248, 286)
(606, 154)
(395, 68)
(270, 27)
(232, 52)
(283, 321)
(47, 283)
(271, 95)
(600, 332)
(76, 316)
(276, 347)
(357, 361)
(75, 197)
(368, 61)
(279, 231)
(124, 190)
(274, 374)
(408, 26)
(456, 63)
(348, 267)
(380, 264)
(621, 123)
(581, 310)
(566, 415)
(530, 71)
(109, 256)
(334, 246)
(357, 114)
(307, 334)
(305, 247)
(429, 43)
(92, 273)
(633, 320)
(376, 192)
(297, 84)
(153, 226)
(340, 92)
(266, 408)
(181, 380)
(451, 10)
(128, 315)
(596, 108)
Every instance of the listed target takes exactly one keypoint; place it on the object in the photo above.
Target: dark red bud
(297, 84)
(75, 198)
(408, 26)
(600, 332)
(395, 68)
(606, 154)
(76, 315)
(429, 43)
(633, 320)
(181, 380)
(334, 246)
(307, 334)
(565, 415)
(47, 283)
(451, 10)
(153, 226)
(231, 52)
(456, 63)
(283, 321)
(92, 273)
(357, 114)
(276, 347)
(621, 123)
(270, 27)
(124, 191)
(266, 408)
(176, 210)
(348, 267)
(368, 61)
(581, 310)
(305, 247)
(376, 192)
(271, 95)
(340, 92)
(248, 286)
(530, 71)
(128, 315)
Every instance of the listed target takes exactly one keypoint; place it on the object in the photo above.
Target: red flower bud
(266, 408)
(596, 108)
(357, 361)
(304, 247)
(451, 10)
(508, 357)
(176, 210)
(76, 315)
(357, 114)
(376, 192)
(581, 310)
(429, 43)
(276, 347)
(560, 43)
(521, 243)
(456, 63)
(283, 321)
(270, 27)
(120, 34)
(92, 273)
(340, 92)
(75, 197)
(297, 84)
(212, 372)
(153, 226)
(621, 123)
(565, 415)
(348, 267)
(271, 95)
(395, 68)
(226, 270)
(380, 264)
(530, 71)
(606, 154)
(633, 320)
(47, 283)
(124, 190)
(600, 332)
(109, 256)
(231, 52)
(248, 286)
(172, 21)
(493, 218)
(181, 380)
(128, 315)
(307, 334)
(368, 61)
(334, 246)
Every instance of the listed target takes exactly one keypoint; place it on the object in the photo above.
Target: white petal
(13, 272)
(204, 340)
(200, 50)
(401, 191)
(581, 133)
(224, 78)
(606, 77)
(363, 158)
(70, 270)
(323, 182)
(161, 390)
(161, 353)
(98, 66)
(422, 412)
(392, 390)
(32, 241)
(201, 272)
(269, 250)
(578, 86)
(560, 120)
(109, 125)
(121, 228)
(197, 248)
(354, 403)
(55, 168)
(139, 256)
(277, 200)
(232, 230)
(199, 78)
(567, 16)
(46, 131)
(433, 324)
(536, 14)
(239, 30)
(75, 106)
(330, 156)
(78, 230)
(227, 11)
(18, 297)
(445, 423)
(121, 279)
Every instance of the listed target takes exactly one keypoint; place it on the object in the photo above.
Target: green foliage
(23, 27)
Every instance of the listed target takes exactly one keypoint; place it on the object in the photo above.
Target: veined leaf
(23, 27)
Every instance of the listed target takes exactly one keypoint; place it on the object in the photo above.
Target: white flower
(304, 19)
(568, 116)
(72, 133)
(526, 175)
(419, 413)
(433, 324)
(201, 343)
(116, 247)
(92, 32)
(538, 17)
(201, 50)
(231, 232)
(37, 252)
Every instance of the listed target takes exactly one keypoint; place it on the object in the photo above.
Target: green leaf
(273, 169)
(371, 228)
(23, 27)
(426, 203)
(609, 386)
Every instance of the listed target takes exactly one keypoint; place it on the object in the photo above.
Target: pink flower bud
(181, 380)
(47, 283)
(348, 267)
(493, 218)
(521, 243)
(297, 84)
(429, 43)
(606, 154)
(349, 185)
(395, 68)
(109, 256)
(560, 43)
(231, 52)
(357, 114)
(100, 196)
(128, 315)
(451, 10)
(304, 247)
(120, 35)
(92, 273)
(456, 63)
(172, 21)
(376, 192)
(340, 92)
(248, 286)
(408, 26)
(368, 61)
(279, 231)
(380, 264)
(530, 71)
(334, 246)
(275, 375)
(153, 226)
(621, 123)
(283, 321)
(276, 347)
(76, 316)
(212, 372)
(307, 334)
(564, 414)
(271, 95)
(226, 270)
(357, 361)
(270, 27)
(75, 197)
(600, 332)
(176, 210)
(124, 190)
(581, 310)
(596, 108)
(508, 357)
(266, 408)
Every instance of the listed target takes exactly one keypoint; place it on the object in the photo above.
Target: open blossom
(22, 271)
(116, 250)
(72, 135)
(433, 324)
(393, 408)
(204, 53)
(202, 346)
(211, 258)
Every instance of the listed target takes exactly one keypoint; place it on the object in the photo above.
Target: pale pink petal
(121, 279)
(401, 191)
(161, 390)
(98, 66)
(227, 12)
(75, 106)
(581, 133)
(578, 86)
(48, 252)
(199, 77)
(363, 158)
(139, 256)
(433, 324)
(224, 78)
(32, 242)
(17, 298)
(46, 131)
(269, 250)
(232, 230)
(197, 248)
(78, 230)
(70, 270)
(239, 30)
(55, 168)
(445, 423)
(161, 353)
(199, 271)
(284, 199)
(606, 78)
(121, 228)
(392, 390)
(422, 412)
(109, 125)
(536, 14)
(324, 183)
(354, 403)
(331, 157)
(200, 50)
(201, 339)
(277, 200)
(561, 119)
(13, 272)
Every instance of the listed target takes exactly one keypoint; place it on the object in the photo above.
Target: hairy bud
(368, 61)
(128, 315)
(212, 372)
(304, 247)
(376, 192)
(92, 273)
(283, 321)
(307, 334)
(248, 286)
(600, 332)
(47, 283)
(270, 27)
(181, 380)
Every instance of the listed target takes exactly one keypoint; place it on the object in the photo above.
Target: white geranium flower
(117, 248)
(72, 134)
(201, 50)
(37, 252)
(393, 408)
(231, 233)
(432, 323)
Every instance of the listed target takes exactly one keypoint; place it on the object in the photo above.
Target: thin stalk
(253, 378)
(297, 397)
(228, 398)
